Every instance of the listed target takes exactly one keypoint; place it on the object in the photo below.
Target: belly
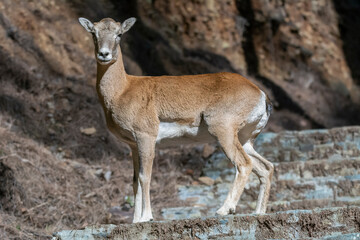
(174, 134)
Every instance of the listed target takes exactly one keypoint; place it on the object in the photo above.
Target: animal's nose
(104, 53)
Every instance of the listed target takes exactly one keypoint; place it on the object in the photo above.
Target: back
(190, 95)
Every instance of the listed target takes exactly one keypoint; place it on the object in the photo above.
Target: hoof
(146, 220)
(223, 211)
(259, 212)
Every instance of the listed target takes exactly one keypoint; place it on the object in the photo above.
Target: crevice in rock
(248, 45)
(285, 102)
(348, 22)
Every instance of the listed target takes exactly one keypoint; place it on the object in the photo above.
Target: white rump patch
(259, 115)
(259, 109)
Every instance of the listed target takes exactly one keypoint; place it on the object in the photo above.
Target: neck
(111, 79)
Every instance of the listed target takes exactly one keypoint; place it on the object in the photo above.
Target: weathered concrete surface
(89, 233)
(310, 144)
(330, 223)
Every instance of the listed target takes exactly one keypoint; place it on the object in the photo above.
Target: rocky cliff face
(295, 48)
(302, 53)
(297, 45)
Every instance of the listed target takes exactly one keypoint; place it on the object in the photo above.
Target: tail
(269, 106)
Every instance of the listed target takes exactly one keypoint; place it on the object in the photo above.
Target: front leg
(146, 150)
(136, 185)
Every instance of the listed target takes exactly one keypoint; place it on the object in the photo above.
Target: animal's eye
(119, 35)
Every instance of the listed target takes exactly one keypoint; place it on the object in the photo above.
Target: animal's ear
(87, 24)
(127, 24)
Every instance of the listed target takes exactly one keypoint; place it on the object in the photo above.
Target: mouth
(104, 61)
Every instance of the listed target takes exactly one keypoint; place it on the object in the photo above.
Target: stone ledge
(306, 145)
(328, 223)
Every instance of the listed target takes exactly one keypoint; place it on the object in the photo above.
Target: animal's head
(106, 34)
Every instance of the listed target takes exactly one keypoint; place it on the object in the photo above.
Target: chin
(102, 62)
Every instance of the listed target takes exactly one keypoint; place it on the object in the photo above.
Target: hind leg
(233, 149)
(264, 170)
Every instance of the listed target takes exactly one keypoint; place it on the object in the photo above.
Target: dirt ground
(43, 191)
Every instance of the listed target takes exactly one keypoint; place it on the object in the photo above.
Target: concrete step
(246, 207)
(220, 166)
(316, 188)
(309, 144)
(317, 168)
(328, 223)
(293, 180)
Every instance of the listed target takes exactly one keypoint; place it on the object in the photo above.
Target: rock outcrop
(294, 48)
(302, 53)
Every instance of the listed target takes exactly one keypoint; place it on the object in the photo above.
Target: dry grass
(42, 191)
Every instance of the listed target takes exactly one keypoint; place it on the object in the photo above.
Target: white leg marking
(264, 170)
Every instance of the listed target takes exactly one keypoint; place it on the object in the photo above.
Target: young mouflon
(148, 111)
